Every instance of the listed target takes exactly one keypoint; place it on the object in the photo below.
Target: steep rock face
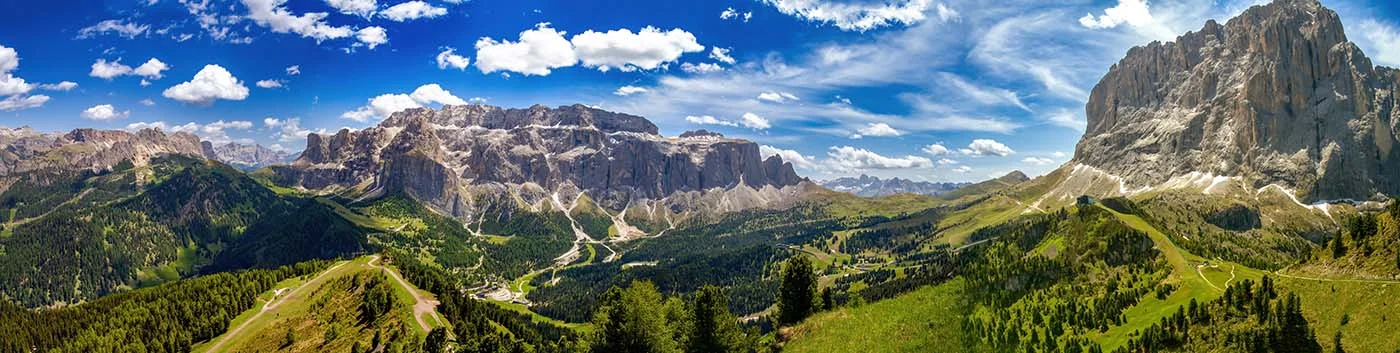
(453, 156)
(245, 156)
(24, 149)
(1276, 95)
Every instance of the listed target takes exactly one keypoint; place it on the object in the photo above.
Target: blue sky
(923, 89)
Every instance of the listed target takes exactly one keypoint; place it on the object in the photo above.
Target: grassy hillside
(914, 322)
(329, 312)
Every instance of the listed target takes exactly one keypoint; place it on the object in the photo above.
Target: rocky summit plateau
(464, 159)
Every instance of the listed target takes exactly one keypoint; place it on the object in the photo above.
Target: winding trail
(422, 306)
(269, 306)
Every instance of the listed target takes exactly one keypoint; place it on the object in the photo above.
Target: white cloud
(709, 120)
(847, 158)
(286, 130)
(1058, 154)
(946, 13)
(728, 13)
(9, 59)
(1067, 118)
(1382, 41)
(962, 169)
(876, 130)
(937, 150)
(121, 28)
(986, 147)
(215, 132)
(61, 86)
(753, 121)
(271, 14)
(362, 8)
(721, 55)
(777, 97)
(1134, 13)
(293, 70)
(109, 70)
(791, 156)
(211, 83)
(629, 90)
(702, 68)
(621, 49)
(21, 102)
(449, 58)
(984, 95)
(433, 93)
(946, 161)
(270, 84)
(104, 112)
(412, 10)
(1038, 161)
(372, 36)
(850, 16)
(147, 102)
(535, 53)
(385, 105)
(152, 69)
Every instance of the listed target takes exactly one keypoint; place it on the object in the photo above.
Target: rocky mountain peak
(1276, 95)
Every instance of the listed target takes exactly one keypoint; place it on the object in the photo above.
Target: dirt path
(269, 306)
(421, 305)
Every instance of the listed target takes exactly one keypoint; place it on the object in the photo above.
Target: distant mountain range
(246, 156)
(869, 186)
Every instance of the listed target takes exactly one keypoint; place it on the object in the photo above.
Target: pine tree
(632, 320)
(436, 340)
(714, 328)
(795, 294)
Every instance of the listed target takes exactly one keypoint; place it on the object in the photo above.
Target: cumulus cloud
(946, 161)
(152, 69)
(449, 58)
(104, 112)
(937, 150)
(118, 27)
(215, 132)
(108, 70)
(850, 16)
(536, 52)
(147, 102)
(412, 10)
(777, 97)
(384, 105)
(1038, 161)
(753, 121)
(61, 86)
(791, 156)
(1381, 39)
(629, 90)
(270, 84)
(709, 120)
(211, 83)
(721, 55)
(876, 130)
(701, 68)
(286, 130)
(987, 147)
(15, 89)
(22, 102)
(293, 70)
(624, 50)
(362, 8)
(1134, 13)
(962, 169)
(372, 36)
(847, 158)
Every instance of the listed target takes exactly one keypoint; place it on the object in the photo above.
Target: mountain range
(868, 186)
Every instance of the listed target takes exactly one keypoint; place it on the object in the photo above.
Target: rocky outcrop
(24, 149)
(868, 186)
(246, 156)
(1276, 95)
(452, 157)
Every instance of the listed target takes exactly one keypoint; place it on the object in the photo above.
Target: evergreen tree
(714, 328)
(795, 294)
(632, 320)
(1338, 249)
(436, 340)
(1337, 343)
